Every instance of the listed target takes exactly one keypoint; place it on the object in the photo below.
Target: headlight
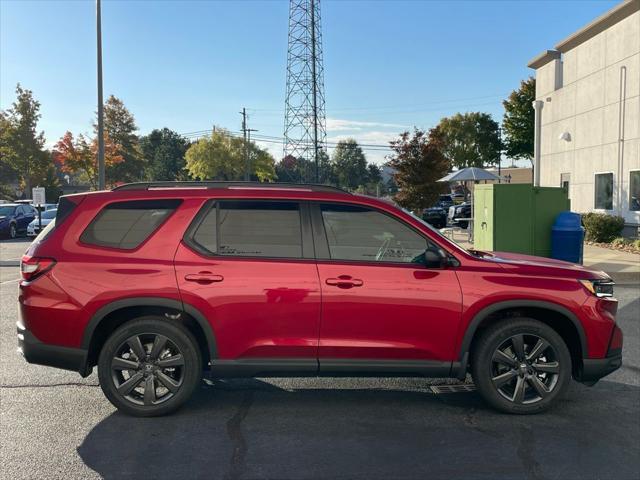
(600, 288)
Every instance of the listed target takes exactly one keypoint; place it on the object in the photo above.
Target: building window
(565, 180)
(604, 191)
(634, 191)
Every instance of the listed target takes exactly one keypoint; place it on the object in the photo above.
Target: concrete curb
(9, 263)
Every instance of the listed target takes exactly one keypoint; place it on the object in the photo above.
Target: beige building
(588, 109)
(513, 174)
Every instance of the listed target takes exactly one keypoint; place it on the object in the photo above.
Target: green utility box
(517, 218)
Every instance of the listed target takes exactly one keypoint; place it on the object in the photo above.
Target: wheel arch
(558, 317)
(111, 316)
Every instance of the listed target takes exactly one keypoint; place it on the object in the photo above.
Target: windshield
(7, 210)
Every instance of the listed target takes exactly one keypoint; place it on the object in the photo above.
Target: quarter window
(634, 191)
(252, 229)
(358, 233)
(126, 225)
(604, 191)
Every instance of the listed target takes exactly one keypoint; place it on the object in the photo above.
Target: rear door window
(270, 229)
(125, 225)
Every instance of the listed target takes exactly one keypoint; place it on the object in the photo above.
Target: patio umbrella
(469, 174)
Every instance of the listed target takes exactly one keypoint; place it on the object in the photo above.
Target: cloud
(342, 125)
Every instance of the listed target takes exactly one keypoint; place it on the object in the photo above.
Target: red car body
(308, 316)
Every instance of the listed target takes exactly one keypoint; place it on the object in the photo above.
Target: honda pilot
(153, 283)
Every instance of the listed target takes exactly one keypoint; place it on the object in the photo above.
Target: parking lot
(55, 424)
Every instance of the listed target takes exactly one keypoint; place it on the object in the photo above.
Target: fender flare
(485, 312)
(151, 302)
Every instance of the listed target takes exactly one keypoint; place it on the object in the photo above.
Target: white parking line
(10, 281)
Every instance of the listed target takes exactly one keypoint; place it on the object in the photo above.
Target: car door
(21, 223)
(248, 266)
(389, 304)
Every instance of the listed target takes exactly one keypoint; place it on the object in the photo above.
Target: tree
(80, 156)
(419, 162)
(120, 126)
(22, 156)
(163, 152)
(470, 139)
(221, 157)
(518, 121)
(349, 164)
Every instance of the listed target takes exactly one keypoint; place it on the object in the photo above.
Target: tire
(463, 225)
(13, 231)
(173, 369)
(526, 382)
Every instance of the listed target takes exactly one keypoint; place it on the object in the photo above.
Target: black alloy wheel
(149, 366)
(520, 365)
(525, 369)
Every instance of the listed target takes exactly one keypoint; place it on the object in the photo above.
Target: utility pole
(101, 176)
(246, 146)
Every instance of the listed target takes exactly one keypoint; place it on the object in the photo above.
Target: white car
(34, 227)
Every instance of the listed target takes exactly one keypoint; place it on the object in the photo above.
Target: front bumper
(34, 351)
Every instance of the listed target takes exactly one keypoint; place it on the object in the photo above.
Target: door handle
(344, 281)
(203, 277)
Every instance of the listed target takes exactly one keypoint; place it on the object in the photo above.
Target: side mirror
(435, 258)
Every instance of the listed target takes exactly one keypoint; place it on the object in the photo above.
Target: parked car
(152, 284)
(436, 216)
(458, 212)
(45, 218)
(445, 201)
(14, 218)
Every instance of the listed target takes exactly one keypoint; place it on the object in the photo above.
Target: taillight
(33, 267)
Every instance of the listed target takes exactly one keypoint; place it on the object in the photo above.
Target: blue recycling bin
(567, 238)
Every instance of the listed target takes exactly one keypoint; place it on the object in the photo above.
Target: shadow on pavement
(252, 429)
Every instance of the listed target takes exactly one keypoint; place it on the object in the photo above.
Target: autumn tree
(22, 156)
(120, 126)
(419, 162)
(470, 139)
(518, 121)
(349, 165)
(79, 156)
(221, 156)
(163, 152)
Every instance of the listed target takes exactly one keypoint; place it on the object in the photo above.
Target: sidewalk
(622, 267)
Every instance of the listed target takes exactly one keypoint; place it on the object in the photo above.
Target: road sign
(38, 195)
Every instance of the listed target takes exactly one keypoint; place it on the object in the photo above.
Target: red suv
(154, 282)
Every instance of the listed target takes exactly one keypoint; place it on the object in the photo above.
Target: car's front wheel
(149, 367)
(13, 231)
(521, 366)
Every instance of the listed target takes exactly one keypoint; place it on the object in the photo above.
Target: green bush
(601, 227)
(636, 243)
(619, 242)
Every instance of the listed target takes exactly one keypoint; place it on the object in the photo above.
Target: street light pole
(101, 176)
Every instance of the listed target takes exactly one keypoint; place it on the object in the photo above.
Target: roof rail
(230, 185)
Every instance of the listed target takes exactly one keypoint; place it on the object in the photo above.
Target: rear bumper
(593, 369)
(34, 351)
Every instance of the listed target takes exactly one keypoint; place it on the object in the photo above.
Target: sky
(389, 65)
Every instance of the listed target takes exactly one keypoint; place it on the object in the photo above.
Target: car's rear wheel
(521, 366)
(149, 367)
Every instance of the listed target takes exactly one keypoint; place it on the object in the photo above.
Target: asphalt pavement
(54, 424)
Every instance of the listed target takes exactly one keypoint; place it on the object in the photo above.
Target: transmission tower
(304, 118)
